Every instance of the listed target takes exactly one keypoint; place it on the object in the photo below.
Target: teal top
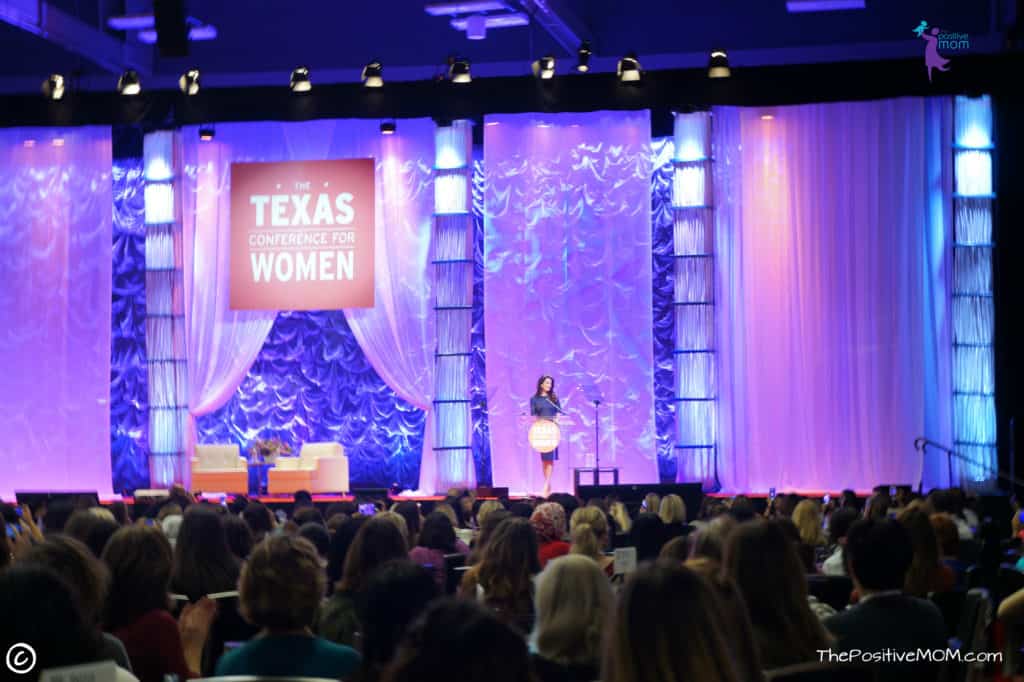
(290, 656)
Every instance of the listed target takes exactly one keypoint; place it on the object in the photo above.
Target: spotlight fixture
(207, 134)
(718, 65)
(458, 71)
(388, 128)
(53, 87)
(129, 84)
(544, 68)
(628, 69)
(300, 80)
(583, 57)
(189, 82)
(373, 74)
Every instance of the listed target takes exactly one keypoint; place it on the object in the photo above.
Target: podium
(534, 477)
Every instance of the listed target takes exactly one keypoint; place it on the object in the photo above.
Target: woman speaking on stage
(544, 404)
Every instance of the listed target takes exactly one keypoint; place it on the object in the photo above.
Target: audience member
(879, 556)
(318, 536)
(548, 521)
(280, 589)
(742, 509)
(710, 540)
(259, 519)
(523, 510)
(302, 499)
(436, 540)
(665, 629)
(503, 580)
(92, 530)
(572, 605)
(459, 640)
(647, 535)
(877, 506)
(203, 562)
(239, 536)
(838, 525)
(308, 514)
(807, 517)
(485, 509)
(410, 511)
(120, 512)
(399, 522)
(620, 517)
(927, 573)
(651, 503)
(341, 541)
(588, 529)
(792, 533)
(88, 579)
(676, 549)
(394, 596)
(673, 514)
(569, 503)
(949, 547)
(487, 528)
(378, 541)
(139, 559)
(764, 564)
(56, 514)
(848, 500)
(40, 608)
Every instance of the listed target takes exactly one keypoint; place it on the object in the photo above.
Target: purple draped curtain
(396, 335)
(568, 289)
(56, 205)
(834, 257)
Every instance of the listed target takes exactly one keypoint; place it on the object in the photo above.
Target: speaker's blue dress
(545, 409)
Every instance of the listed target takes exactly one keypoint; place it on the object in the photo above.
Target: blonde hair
(400, 523)
(589, 529)
(485, 509)
(807, 517)
(573, 602)
(672, 509)
(617, 511)
(448, 511)
(103, 513)
(651, 503)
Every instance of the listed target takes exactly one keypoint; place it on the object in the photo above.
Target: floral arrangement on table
(267, 450)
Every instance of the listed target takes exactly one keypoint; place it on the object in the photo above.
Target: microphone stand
(597, 442)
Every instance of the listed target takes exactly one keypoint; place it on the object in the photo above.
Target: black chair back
(453, 576)
(833, 590)
(971, 636)
(951, 604)
(822, 672)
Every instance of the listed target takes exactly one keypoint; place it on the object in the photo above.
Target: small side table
(595, 473)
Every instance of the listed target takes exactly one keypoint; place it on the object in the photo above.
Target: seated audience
(879, 556)
(807, 517)
(487, 528)
(239, 536)
(651, 504)
(838, 525)
(950, 501)
(676, 549)
(318, 536)
(792, 533)
(521, 509)
(647, 535)
(485, 509)
(309, 514)
(877, 506)
(620, 517)
(459, 640)
(665, 628)
(341, 541)
(91, 528)
(710, 541)
(588, 529)
(260, 520)
(673, 514)
(569, 503)
(280, 590)
(927, 573)
(56, 514)
(140, 559)
(548, 522)
(764, 564)
(203, 562)
(848, 500)
(394, 596)
(572, 606)
(949, 548)
(377, 542)
(41, 609)
(399, 522)
(742, 509)
(410, 511)
(436, 539)
(88, 579)
(503, 580)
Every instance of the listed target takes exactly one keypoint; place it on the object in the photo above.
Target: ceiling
(260, 42)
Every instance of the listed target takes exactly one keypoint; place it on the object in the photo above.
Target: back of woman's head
(589, 532)
(763, 562)
(487, 528)
(399, 522)
(677, 549)
(672, 509)
(710, 540)
(42, 610)
(342, 539)
(946, 532)
(459, 640)
(486, 508)
(651, 503)
(410, 511)
(281, 584)
(511, 552)
(203, 562)
(318, 536)
(304, 515)
(923, 574)
(665, 629)
(647, 535)
(139, 559)
(378, 540)
(807, 517)
(239, 536)
(87, 576)
(394, 596)
(877, 507)
(620, 515)
(259, 519)
(548, 521)
(93, 530)
(573, 598)
(437, 533)
(448, 510)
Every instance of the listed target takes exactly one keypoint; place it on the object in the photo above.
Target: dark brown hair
(139, 559)
(506, 571)
(203, 562)
(281, 584)
(551, 395)
(378, 540)
(76, 564)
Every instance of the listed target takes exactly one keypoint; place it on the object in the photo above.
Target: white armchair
(219, 468)
(319, 468)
